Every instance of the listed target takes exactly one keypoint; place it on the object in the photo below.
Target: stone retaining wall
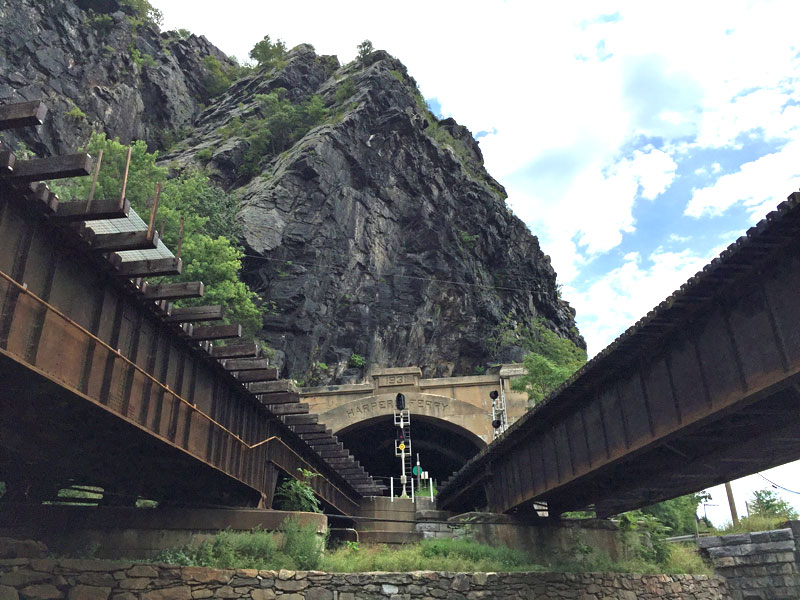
(757, 566)
(71, 579)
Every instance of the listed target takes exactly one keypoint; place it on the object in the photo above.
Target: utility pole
(731, 503)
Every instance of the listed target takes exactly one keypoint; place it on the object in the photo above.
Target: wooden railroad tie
(281, 385)
(278, 398)
(307, 428)
(116, 242)
(173, 291)
(133, 269)
(54, 167)
(290, 409)
(217, 332)
(318, 436)
(22, 114)
(300, 419)
(191, 314)
(248, 349)
(86, 210)
(258, 375)
(244, 364)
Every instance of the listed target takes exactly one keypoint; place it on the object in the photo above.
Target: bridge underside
(52, 438)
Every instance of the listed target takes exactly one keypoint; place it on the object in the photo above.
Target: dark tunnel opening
(443, 447)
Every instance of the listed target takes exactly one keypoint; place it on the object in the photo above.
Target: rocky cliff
(100, 69)
(376, 234)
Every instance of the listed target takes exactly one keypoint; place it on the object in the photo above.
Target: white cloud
(758, 185)
(622, 296)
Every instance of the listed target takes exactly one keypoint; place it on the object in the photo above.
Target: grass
(751, 523)
(300, 549)
(428, 555)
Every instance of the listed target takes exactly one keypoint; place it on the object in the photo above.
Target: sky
(635, 139)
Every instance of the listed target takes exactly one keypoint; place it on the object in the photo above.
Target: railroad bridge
(703, 390)
(103, 382)
(450, 416)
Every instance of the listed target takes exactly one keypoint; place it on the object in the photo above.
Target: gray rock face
(99, 71)
(378, 234)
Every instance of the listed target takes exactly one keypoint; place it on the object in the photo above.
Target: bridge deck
(701, 391)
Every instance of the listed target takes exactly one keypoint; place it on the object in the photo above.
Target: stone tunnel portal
(443, 447)
(451, 417)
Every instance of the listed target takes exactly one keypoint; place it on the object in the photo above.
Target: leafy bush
(550, 361)
(281, 125)
(217, 80)
(297, 494)
(76, 113)
(345, 90)
(357, 361)
(678, 514)
(205, 154)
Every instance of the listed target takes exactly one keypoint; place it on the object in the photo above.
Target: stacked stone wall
(757, 566)
(71, 579)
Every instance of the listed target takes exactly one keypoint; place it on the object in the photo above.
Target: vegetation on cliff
(209, 255)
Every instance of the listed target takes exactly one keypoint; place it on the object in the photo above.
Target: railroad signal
(496, 423)
(400, 402)
(493, 395)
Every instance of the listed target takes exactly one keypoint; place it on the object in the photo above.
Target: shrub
(205, 154)
(297, 494)
(76, 113)
(217, 79)
(357, 361)
(345, 90)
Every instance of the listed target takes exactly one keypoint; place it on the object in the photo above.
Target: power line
(775, 485)
(477, 285)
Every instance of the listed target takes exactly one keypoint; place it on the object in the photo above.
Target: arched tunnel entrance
(443, 447)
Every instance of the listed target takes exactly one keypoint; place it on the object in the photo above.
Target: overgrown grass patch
(428, 555)
(299, 548)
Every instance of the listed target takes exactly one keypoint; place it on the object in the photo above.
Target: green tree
(766, 503)
(209, 221)
(268, 54)
(550, 360)
(142, 9)
(365, 48)
(678, 514)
